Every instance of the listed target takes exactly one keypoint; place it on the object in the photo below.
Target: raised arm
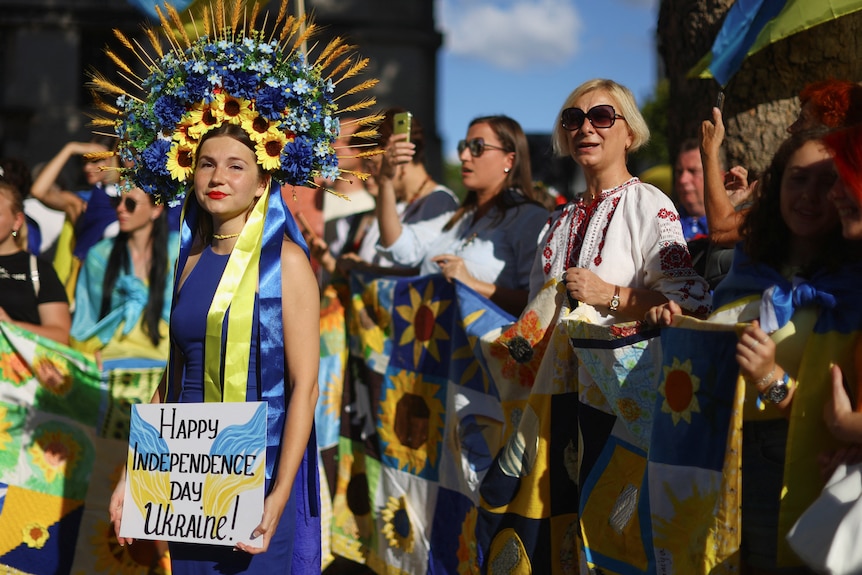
(398, 152)
(722, 218)
(44, 188)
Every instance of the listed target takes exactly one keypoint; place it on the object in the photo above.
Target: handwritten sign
(195, 472)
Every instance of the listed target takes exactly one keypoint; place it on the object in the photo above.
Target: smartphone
(719, 101)
(402, 123)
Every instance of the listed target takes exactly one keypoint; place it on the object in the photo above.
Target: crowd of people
(779, 255)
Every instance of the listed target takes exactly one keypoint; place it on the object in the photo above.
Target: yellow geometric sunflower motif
(466, 351)
(468, 560)
(13, 369)
(411, 421)
(5, 438)
(397, 527)
(56, 454)
(111, 558)
(54, 375)
(35, 535)
(679, 389)
(331, 396)
(691, 520)
(421, 317)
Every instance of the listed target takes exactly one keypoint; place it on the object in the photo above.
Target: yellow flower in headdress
(257, 127)
(269, 148)
(230, 109)
(181, 161)
(202, 118)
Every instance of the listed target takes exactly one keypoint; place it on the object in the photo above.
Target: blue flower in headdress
(321, 148)
(297, 160)
(198, 87)
(168, 111)
(155, 157)
(301, 86)
(198, 66)
(329, 172)
(240, 84)
(271, 102)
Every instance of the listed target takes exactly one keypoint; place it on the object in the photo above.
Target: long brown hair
(766, 236)
(519, 178)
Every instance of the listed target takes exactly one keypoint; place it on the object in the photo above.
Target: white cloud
(511, 34)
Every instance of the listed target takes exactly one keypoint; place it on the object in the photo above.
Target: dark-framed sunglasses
(128, 203)
(477, 147)
(602, 116)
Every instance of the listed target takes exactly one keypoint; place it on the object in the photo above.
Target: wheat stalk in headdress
(177, 37)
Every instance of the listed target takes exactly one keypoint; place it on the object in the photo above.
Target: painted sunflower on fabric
(217, 68)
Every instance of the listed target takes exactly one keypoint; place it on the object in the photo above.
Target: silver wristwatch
(777, 390)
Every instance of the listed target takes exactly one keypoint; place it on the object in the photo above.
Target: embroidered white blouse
(630, 236)
(498, 251)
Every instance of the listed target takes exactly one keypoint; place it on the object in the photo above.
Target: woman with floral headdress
(233, 115)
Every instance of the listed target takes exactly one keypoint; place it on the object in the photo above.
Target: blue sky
(523, 57)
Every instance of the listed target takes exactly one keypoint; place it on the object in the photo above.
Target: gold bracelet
(766, 378)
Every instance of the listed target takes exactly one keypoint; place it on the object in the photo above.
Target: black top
(16, 288)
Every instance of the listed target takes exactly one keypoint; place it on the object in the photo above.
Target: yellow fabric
(790, 343)
(63, 255)
(135, 344)
(800, 15)
(236, 290)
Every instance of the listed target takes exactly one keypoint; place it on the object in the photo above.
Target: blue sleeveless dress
(188, 332)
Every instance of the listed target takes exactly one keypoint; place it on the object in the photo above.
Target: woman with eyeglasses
(619, 246)
(489, 242)
(124, 290)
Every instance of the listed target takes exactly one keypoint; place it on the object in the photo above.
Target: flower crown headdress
(231, 73)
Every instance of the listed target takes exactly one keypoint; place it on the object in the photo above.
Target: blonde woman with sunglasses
(489, 242)
(619, 246)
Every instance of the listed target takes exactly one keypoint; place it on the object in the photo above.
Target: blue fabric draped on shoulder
(279, 224)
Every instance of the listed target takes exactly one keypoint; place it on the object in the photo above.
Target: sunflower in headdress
(228, 71)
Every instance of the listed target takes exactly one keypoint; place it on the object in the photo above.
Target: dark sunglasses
(602, 116)
(477, 147)
(127, 202)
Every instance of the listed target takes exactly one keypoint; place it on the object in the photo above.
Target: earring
(14, 233)
(505, 170)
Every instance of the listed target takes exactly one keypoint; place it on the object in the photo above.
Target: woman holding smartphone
(488, 242)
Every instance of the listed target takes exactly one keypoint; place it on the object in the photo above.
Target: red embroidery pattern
(685, 290)
(666, 214)
(598, 259)
(675, 260)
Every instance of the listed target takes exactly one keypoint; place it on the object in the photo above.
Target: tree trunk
(761, 99)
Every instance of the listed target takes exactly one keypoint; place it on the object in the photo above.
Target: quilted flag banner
(63, 437)
(422, 422)
(695, 457)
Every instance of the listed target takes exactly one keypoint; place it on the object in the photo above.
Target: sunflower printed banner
(421, 424)
(695, 455)
(63, 432)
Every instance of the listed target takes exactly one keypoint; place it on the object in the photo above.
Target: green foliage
(655, 112)
(452, 179)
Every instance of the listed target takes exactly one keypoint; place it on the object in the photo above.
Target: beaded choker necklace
(225, 236)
